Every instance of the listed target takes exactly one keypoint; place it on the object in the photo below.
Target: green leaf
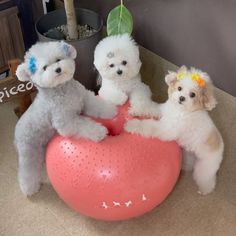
(119, 21)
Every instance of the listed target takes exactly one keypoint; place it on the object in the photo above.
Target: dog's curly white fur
(56, 108)
(184, 118)
(117, 61)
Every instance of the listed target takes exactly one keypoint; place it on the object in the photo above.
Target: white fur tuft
(117, 61)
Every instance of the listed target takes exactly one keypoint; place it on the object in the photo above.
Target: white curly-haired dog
(117, 61)
(56, 108)
(184, 118)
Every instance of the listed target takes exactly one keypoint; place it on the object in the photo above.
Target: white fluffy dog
(184, 118)
(117, 61)
(56, 108)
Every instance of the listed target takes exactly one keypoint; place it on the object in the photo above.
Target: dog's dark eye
(192, 95)
(124, 63)
(45, 67)
(179, 88)
(58, 60)
(111, 65)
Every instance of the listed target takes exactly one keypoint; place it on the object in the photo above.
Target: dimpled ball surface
(121, 177)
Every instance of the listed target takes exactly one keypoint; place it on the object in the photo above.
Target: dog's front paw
(29, 187)
(136, 111)
(100, 132)
(95, 132)
(109, 111)
(133, 126)
(118, 99)
(145, 110)
(141, 111)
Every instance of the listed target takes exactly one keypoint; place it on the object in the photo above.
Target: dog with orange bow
(185, 119)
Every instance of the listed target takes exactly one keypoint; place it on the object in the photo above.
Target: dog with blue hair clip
(57, 108)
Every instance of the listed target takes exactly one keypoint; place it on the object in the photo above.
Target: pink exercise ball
(121, 177)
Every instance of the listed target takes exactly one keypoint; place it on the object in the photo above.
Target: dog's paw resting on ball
(117, 61)
(184, 118)
(57, 108)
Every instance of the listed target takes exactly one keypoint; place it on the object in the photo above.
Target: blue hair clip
(32, 65)
(66, 48)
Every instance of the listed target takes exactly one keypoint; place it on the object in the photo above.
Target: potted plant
(119, 20)
(83, 29)
(51, 26)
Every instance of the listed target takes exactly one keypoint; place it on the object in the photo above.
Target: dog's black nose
(119, 72)
(58, 70)
(181, 99)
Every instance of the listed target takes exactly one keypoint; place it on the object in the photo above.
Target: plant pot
(85, 72)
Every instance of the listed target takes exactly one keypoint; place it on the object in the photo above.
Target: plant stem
(121, 2)
(71, 19)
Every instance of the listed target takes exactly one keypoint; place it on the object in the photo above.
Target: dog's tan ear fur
(182, 69)
(170, 78)
(208, 98)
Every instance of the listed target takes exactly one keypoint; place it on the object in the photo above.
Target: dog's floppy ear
(22, 72)
(69, 50)
(170, 77)
(208, 97)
